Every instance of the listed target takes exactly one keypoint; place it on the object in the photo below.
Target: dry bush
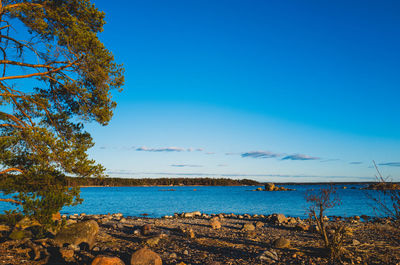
(387, 199)
(386, 203)
(334, 237)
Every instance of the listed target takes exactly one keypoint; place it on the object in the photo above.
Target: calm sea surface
(157, 201)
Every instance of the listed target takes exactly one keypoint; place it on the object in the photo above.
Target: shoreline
(217, 239)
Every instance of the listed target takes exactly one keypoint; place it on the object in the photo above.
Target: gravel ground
(180, 240)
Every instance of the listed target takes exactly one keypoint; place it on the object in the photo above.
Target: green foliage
(10, 217)
(71, 75)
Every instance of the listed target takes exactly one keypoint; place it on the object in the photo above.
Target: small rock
(145, 256)
(269, 256)
(259, 224)
(96, 249)
(190, 233)
(74, 247)
(146, 229)
(153, 241)
(73, 216)
(281, 243)
(70, 222)
(248, 227)
(302, 227)
(173, 256)
(67, 254)
(192, 214)
(356, 242)
(185, 252)
(106, 260)
(215, 224)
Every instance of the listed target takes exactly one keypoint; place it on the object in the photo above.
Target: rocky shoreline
(198, 238)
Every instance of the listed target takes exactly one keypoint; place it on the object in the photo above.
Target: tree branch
(27, 64)
(11, 169)
(11, 200)
(21, 5)
(41, 73)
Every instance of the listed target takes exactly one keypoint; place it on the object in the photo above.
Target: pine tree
(55, 75)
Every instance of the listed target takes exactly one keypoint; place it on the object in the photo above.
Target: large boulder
(106, 260)
(277, 218)
(75, 234)
(281, 243)
(145, 256)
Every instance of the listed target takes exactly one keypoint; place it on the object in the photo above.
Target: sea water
(160, 201)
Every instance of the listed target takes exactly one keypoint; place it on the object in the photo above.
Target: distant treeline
(115, 182)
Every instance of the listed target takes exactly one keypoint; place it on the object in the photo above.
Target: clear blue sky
(269, 90)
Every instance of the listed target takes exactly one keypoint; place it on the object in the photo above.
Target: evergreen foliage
(55, 74)
(115, 182)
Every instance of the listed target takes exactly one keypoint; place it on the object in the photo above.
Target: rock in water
(106, 260)
(75, 234)
(270, 187)
(281, 243)
(145, 256)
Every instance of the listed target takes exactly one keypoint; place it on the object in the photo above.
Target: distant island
(121, 182)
